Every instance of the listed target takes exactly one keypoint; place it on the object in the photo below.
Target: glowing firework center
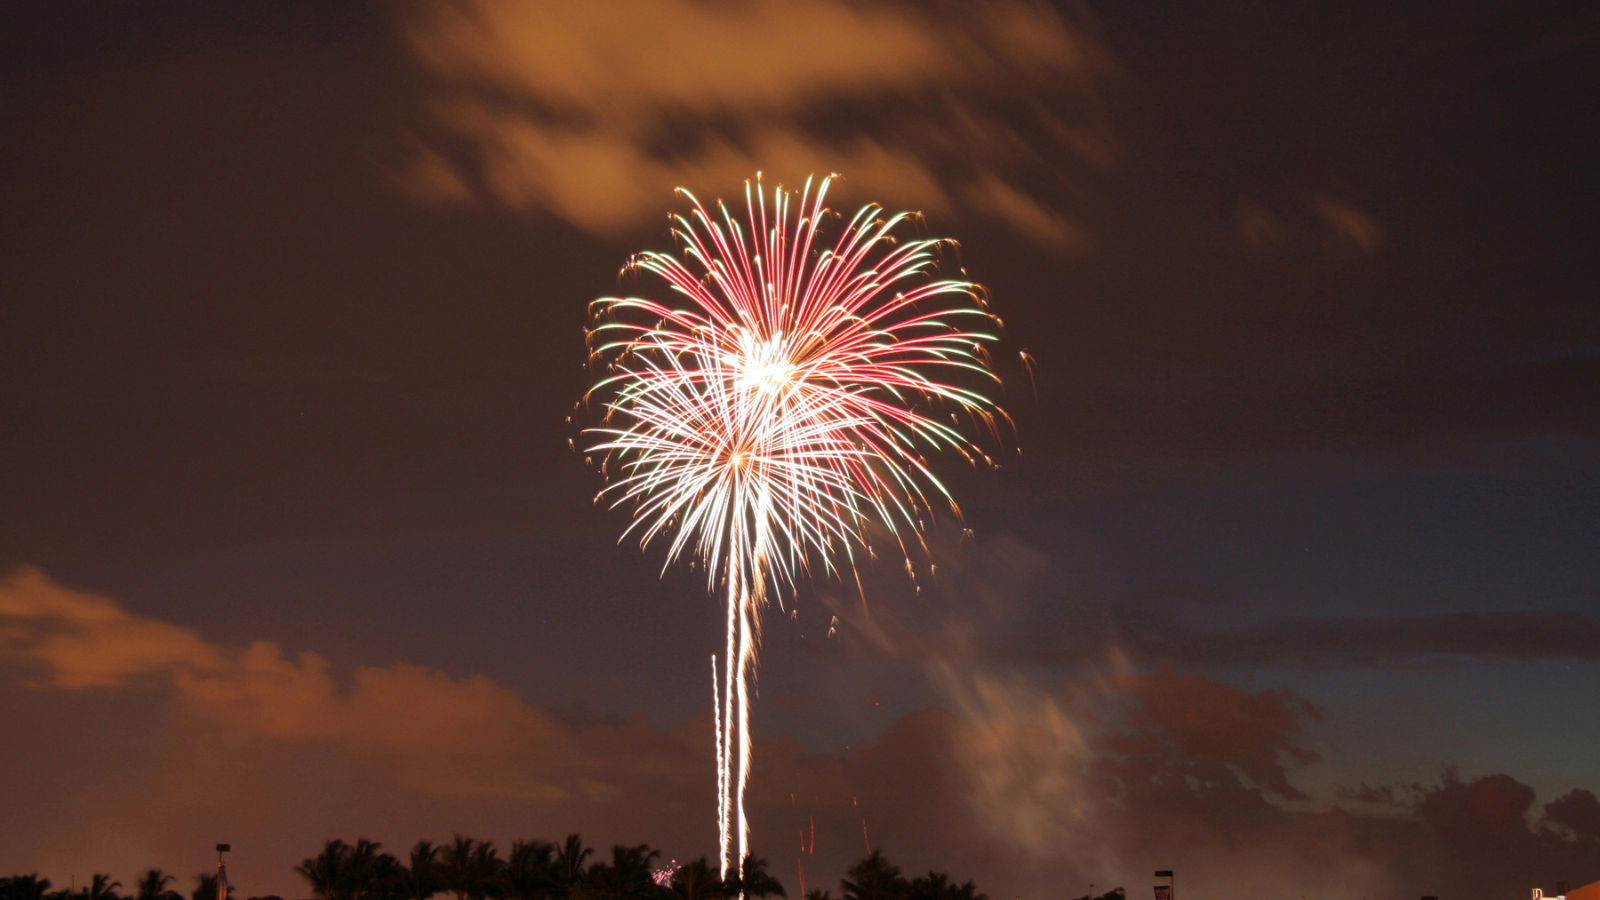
(783, 403)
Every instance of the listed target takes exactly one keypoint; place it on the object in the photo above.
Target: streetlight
(222, 872)
(1171, 892)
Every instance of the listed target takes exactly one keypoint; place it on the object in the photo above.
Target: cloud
(434, 732)
(593, 113)
(84, 640)
(1210, 722)
(1099, 779)
(1413, 641)
(1001, 201)
(1578, 812)
(605, 183)
(1307, 220)
(999, 602)
(278, 751)
(1148, 627)
(1129, 759)
(1348, 222)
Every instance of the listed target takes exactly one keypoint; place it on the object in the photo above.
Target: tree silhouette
(24, 887)
(629, 876)
(938, 886)
(152, 885)
(205, 887)
(422, 877)
(571, 861)
(698, 881)
(756, 880)
(387, 879)
(531, 870)
(101, 887)
(323, 871)
(488, 872)
(360, 870)
(469, 868)
(535, 870)
(875, 878)
(455, 866)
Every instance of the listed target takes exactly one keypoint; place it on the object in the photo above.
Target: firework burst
(782, 399)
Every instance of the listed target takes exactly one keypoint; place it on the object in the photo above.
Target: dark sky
(1293, 586)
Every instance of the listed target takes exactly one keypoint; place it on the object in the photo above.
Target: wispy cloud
(593, 113)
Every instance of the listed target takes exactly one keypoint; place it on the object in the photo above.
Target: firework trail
(780, 404)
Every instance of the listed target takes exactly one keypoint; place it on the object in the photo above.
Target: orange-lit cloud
(593, 113)
(278, 751)
(83, 640)
(411, 718)
(1348, 222)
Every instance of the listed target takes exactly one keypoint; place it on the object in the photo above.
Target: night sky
(1293, 587)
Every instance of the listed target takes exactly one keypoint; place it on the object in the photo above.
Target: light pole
(1172, 884)
(222, 872)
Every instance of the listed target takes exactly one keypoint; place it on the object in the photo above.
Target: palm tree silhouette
(359, 872)
(571, 860)
(324, 872)
(756, 880)
(422, 877)
(388, 879)
(101, 887)
(698, 881)
(363, 867)
(531, 870)
(152, 885)
(24, 887)
(205, 887)
(455, 866)
(629, 875)
(469, 868)
(874, 878)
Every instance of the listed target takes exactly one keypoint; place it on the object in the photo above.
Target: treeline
(468, 869)
(154, 884)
